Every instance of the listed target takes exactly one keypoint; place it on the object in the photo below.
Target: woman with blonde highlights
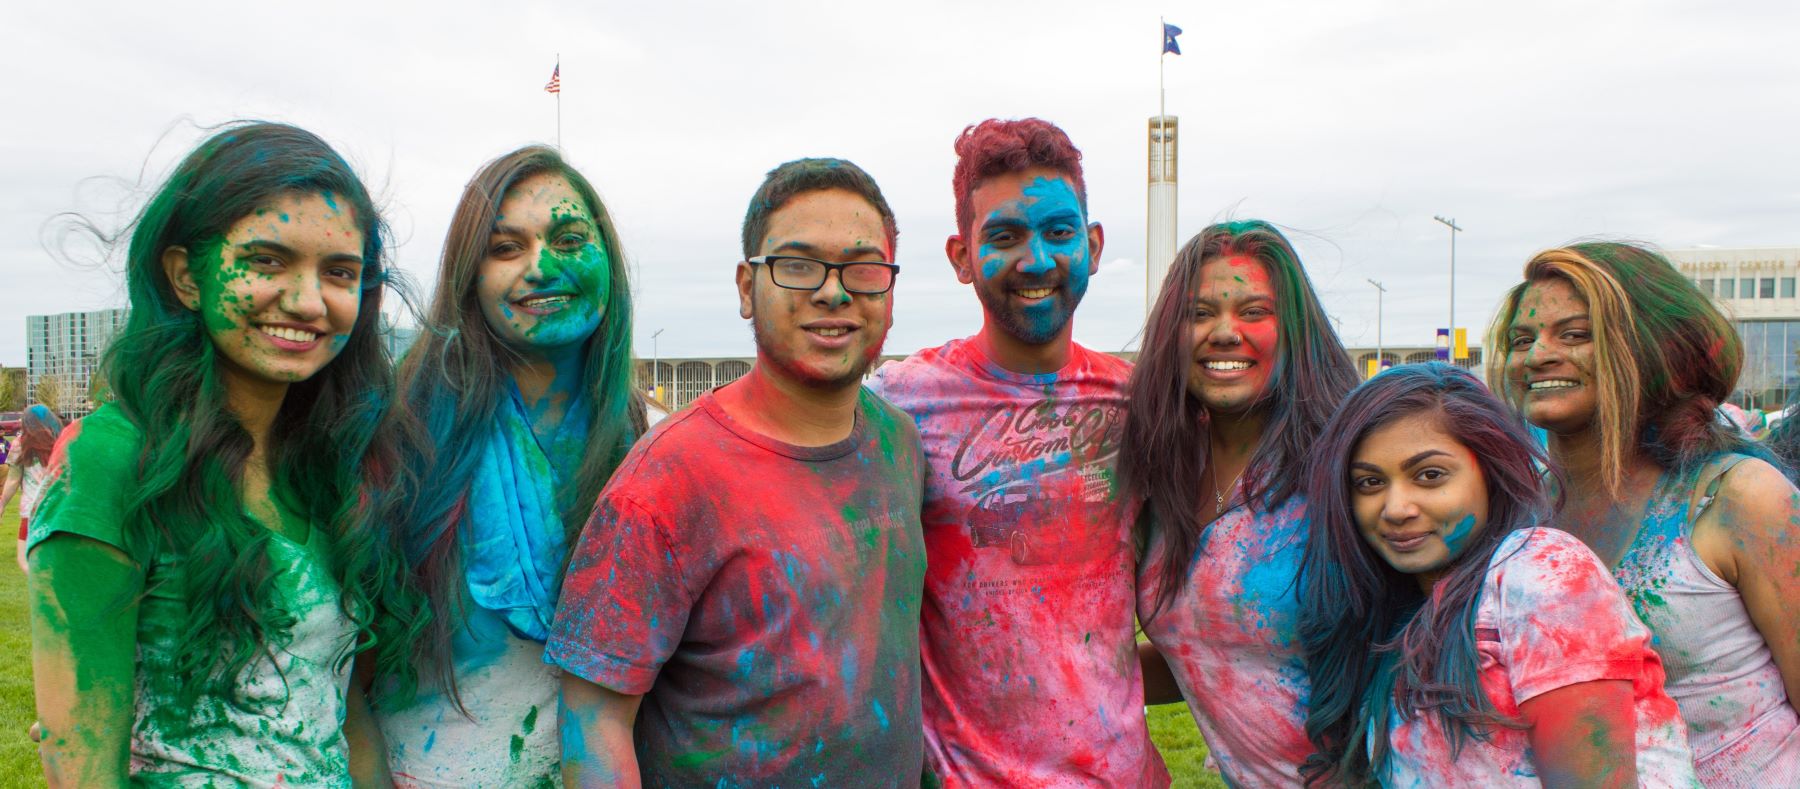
(1624, 363)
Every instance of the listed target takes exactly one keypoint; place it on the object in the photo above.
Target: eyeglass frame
(830, 267)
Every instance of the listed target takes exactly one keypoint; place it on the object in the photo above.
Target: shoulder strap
(1706, 488)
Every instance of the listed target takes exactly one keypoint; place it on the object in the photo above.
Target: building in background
(1756, 287)
(679, 381)
(1395, 355)
(397, 338)
(62, 352)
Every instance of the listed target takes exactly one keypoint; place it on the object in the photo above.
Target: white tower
(1159, 241)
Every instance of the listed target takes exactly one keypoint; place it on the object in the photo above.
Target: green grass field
(1170, 725)
(18, 756)
(1182, 749)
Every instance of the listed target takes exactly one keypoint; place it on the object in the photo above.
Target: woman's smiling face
(280, 291)
(1418, 495)
(1236, 332)
(546, 278)
(1550, 357)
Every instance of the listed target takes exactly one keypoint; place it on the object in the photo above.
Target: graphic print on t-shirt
(1021, 460)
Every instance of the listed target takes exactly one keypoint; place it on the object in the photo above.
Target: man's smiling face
(1028, 252)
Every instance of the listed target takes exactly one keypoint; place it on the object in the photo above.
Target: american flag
(555, 84)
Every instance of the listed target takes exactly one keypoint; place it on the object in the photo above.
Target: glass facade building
(66, 349)
(1756, 288)
(1771, 367)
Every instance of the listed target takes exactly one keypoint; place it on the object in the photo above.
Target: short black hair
(809, 175)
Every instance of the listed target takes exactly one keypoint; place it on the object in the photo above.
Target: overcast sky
(1350, 123)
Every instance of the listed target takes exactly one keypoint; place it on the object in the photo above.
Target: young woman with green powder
(203, 563)
(518, 405)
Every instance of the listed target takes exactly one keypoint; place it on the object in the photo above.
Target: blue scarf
(514, 545)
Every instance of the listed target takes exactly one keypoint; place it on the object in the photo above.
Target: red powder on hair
(995, 147)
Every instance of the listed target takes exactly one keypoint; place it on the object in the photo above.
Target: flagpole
(559, 104)
(1162, 128)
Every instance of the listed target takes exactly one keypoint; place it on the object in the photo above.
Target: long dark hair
(325, 448)
(1165, 445)
(453, 380)
(1664, 357)
(1372, 641)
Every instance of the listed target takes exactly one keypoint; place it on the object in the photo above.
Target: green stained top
(286, 723)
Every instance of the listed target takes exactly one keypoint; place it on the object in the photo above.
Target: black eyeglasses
(797, 273)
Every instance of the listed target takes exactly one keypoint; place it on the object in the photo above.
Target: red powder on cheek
(1260, 339)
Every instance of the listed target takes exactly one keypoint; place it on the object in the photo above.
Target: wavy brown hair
(1165, 447)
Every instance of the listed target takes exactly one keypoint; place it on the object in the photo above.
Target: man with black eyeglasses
(743, 606)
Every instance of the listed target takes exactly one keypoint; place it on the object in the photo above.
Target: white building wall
(1771, 274)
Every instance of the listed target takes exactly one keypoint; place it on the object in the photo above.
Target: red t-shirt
(1031, 670)
(764, 599)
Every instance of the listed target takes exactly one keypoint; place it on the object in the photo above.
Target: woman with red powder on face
(1623, 361)
(1239, 372)
(1450, 641)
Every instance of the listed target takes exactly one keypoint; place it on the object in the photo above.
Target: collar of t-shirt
(977, 360)
(710, 406)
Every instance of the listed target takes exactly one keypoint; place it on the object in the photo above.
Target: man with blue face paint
(1031, 674)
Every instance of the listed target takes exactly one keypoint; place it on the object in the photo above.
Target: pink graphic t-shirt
(1550, 616)
(1031, 676)
(762, 597)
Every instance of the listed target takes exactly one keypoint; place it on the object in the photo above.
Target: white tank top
(1741, 725)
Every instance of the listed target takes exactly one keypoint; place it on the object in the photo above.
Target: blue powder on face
(1049, 216)
(1458, 537)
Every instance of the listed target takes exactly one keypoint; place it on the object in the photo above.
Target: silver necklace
(1218, 494)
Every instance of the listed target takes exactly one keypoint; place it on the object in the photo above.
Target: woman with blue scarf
(517, 405)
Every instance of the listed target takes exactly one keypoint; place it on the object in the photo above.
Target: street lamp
(655, 363)
(1451, 223)
(1379, 290)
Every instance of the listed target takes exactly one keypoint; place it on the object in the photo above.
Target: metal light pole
(1379, 291)
(1451, 223)
(655, 364)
